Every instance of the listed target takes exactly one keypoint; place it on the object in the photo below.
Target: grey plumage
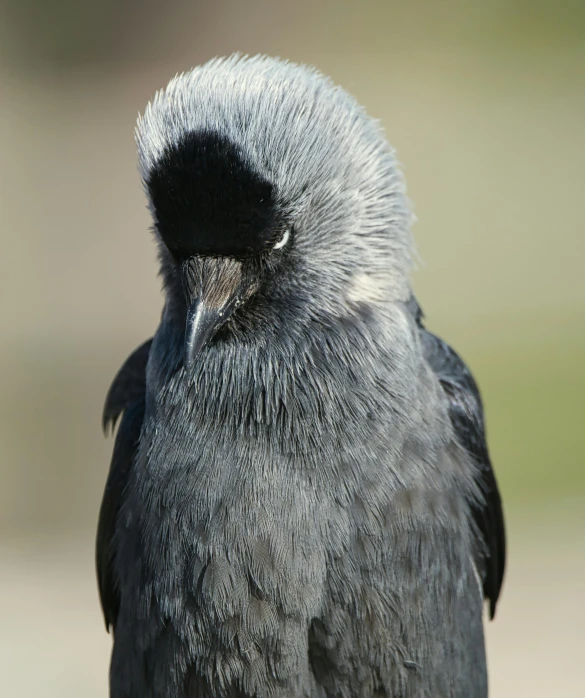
(300, 501)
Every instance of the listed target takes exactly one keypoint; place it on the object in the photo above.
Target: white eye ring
(283, 240)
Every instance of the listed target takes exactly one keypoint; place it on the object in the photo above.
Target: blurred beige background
(485, 103)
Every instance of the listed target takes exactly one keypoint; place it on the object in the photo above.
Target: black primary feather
(466, 414)
(126, 395)
(127, 387)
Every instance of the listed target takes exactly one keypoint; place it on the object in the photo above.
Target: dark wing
(466, 413)
(128, 386)
(126, 395)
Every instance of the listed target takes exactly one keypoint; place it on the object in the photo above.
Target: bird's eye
(282, 241)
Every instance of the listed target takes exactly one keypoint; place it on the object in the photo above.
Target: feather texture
(304, 510)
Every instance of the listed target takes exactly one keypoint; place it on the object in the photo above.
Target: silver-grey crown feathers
(326, 158)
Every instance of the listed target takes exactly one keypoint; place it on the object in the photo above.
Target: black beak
(213, 290)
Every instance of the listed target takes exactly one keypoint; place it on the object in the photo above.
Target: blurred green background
(485, 104)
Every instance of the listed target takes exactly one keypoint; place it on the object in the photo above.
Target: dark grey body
(304, 544)
(300, 501)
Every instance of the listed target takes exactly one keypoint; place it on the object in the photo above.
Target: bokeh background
(485, 104)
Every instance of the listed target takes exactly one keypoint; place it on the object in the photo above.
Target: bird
(300, 500)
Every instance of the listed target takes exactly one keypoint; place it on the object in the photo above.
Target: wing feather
(466, 414)
(127, 397)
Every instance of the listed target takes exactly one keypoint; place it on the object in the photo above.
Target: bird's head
(276, 200)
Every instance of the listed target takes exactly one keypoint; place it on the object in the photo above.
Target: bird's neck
(295, 390)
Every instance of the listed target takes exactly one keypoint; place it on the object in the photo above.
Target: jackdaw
(300, 500)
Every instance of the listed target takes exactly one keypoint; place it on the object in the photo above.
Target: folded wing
(126, 397)
(466, 414)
